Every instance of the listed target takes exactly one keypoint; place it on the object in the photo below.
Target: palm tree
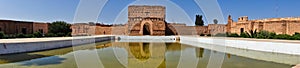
(215, 21)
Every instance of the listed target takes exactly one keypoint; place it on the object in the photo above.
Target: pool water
(135, 55)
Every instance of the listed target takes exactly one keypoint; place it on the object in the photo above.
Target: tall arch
(148, 24)
(146, 29)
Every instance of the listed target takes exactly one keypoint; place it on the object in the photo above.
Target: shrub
(282, 36)
(244, 35)
(295, 37)
(20, 36)
(202, 34)
(2, 35)
(69, 34)
(10, 36)
(208, 35)
(233, 35)
(50, 35)
(38, 34)
(266, 35)
(29, 36)
(61, 34)
(220, 35)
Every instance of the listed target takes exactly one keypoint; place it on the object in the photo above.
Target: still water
(137, 55)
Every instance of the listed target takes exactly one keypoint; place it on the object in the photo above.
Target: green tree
(215, 21)
(60, 27)
(2, 35)
(38, 34)
(199, 21)
(266, 35)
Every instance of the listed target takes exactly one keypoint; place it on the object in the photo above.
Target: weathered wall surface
(40, 27)
(136, 12)
(81, 29)
(119, 30)
(19, 47)
(151, 17)
(293, 27)
(216, 28)
(103, 30)
(277, 25)
(17, 27)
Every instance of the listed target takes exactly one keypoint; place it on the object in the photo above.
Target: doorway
(146, 29)
(242, 30)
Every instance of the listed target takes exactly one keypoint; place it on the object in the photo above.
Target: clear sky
(64, 10)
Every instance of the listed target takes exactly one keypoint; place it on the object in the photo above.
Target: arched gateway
(147, 20)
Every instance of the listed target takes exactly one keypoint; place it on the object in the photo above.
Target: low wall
(279, 51)
(9, 46)
(266, 45)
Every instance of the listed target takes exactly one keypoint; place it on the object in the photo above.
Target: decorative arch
(149, 23)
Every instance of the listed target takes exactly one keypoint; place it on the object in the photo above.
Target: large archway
(146, 29)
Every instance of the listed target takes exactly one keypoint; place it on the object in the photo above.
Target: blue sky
(64, 10)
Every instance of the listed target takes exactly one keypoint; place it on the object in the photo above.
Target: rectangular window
(41, 30)
(24, 30)
(242, 30)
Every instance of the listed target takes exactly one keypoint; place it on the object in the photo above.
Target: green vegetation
(199, 21)
(60, 28)
(261, 35)
(202, 34)
(38, 34)
(221, 35)
(215, 21)
(56, 29)
(208, 35)
(232, 35)
(2, 35)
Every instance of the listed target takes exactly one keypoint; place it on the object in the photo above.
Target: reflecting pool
(142, 55)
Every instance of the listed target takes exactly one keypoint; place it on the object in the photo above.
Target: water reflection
(47, 53)
(140, 50)
(40, 62)
(200, 52)
(138, 55)
(228, 56)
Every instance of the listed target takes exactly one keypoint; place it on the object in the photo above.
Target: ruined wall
(293, 27)
(277, 25)
(202, 30)
(216, 28)
(119, 30)
(103, 30)
(16, 27)
(42, 27)
(81, 29)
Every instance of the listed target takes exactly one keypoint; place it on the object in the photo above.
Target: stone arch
(140, 51)
(149, 24)
(146, 29)
(145, 58)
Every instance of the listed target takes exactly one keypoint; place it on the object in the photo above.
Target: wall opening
(242, 30)
(146, 29)
(24, 30)
(41, 30)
